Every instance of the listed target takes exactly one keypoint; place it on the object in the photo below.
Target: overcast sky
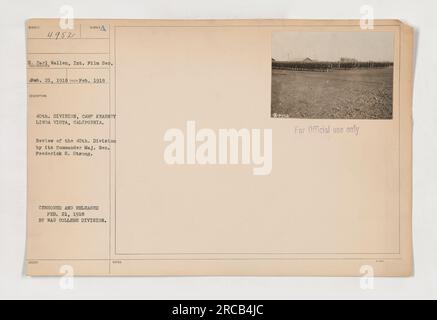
(331, 46)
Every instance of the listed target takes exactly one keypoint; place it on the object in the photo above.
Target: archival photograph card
(219, 148)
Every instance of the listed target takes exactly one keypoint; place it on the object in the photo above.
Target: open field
(337, 94)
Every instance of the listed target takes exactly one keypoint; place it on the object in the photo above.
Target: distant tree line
(324, 66)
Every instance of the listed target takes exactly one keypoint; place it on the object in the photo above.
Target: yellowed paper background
(331, 205)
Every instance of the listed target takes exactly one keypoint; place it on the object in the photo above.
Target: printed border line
(213, 259)
(255, 26)
(110, 153)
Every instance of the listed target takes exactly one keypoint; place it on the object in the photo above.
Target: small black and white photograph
(332, 75)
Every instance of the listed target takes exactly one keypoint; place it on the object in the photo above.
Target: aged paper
(235, 147)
